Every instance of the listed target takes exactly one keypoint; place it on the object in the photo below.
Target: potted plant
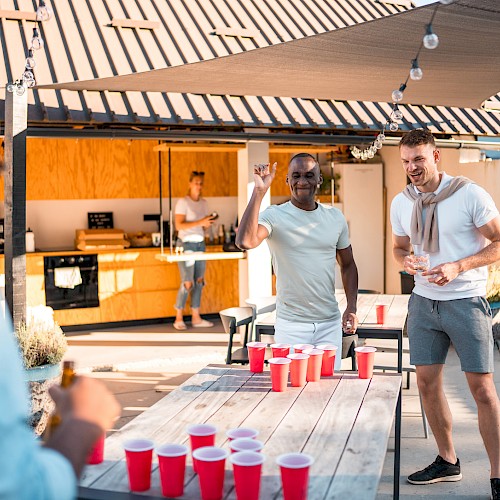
(493, 297)
(42, 344)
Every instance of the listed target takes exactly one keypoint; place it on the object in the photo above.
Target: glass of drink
(422, 262)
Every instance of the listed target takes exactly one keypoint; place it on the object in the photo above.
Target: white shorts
(328, 332)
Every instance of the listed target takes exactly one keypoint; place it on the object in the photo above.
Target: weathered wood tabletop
(342, 421)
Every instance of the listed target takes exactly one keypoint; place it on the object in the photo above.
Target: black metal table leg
(397, 445)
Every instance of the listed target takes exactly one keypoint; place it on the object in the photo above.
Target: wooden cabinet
(134, 285)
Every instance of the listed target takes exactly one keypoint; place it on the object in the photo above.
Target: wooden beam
(18, 15)
(200, 147)
(16, 125)
(135, 23)
(300, 148)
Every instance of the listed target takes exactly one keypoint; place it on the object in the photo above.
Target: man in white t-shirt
(305, 239)
(456, 223)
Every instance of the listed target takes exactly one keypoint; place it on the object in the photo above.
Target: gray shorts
(466, 323)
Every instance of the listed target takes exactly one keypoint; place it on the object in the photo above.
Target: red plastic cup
(247, 471)
(381, 313)
(298, 348)
(139, 455)
(256, 355)
(280, 350)
(242, 432)
(201, 435)
(328, 361)
(298, 369)
(210, 463)
(245, 444)
(96, 455)
(279, 373)
(313, 364)
(172, 464)
(294, 469)
(365, 357)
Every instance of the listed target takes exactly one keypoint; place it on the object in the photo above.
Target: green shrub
(41, 339)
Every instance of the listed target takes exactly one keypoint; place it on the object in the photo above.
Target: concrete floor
(143, 364)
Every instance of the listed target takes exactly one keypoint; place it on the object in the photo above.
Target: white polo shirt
(459, 216)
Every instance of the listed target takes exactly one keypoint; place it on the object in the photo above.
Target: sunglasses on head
(195, 173)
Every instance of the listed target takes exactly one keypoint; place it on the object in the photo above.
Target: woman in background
(191, 219)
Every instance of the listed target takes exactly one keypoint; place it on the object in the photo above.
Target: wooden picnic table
(344, 422)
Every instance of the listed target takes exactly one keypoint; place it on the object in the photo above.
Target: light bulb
(20, 89)
(44, 12)
(378, 144)
(36, 41)
(11, 88)
(431, 40)
(397, 95)
(393, 127)
(381, 137)
(397, 114)
(370, 154)
(416, 73)
(28, 75)
(30, 60)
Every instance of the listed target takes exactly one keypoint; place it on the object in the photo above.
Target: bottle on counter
(232, 234)
(30, 240)
(207, 237)
(221, 234)
(211, 235)
(68, 377)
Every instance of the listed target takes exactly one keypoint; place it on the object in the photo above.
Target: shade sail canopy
(365, 62)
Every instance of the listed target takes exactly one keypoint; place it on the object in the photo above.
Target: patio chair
(232, 318)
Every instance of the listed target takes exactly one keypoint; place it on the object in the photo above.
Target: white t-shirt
(304, 247)
(459, 216)
(193, 210)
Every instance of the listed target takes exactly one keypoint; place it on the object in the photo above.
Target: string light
(27, 80)
(429, 41)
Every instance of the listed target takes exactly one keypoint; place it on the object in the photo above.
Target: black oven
(71, 281)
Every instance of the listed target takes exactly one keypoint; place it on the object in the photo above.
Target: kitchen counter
(134, 285)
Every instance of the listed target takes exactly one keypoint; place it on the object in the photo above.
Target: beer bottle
(221, 234)
(68, 376)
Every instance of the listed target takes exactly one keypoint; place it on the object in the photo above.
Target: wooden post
(16, 124)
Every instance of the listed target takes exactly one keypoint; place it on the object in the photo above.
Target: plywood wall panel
(220, 172)
(279, 187)
(143, 165)
(111, 169)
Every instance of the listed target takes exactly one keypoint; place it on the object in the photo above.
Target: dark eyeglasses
(195, 173)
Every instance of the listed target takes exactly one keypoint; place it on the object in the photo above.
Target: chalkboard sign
(100, 220)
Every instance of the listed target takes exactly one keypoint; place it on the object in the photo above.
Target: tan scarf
(427, 234)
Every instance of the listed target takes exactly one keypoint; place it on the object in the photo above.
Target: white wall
(54, 221)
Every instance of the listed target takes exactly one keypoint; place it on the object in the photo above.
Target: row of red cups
(306, 364)
(209, 463)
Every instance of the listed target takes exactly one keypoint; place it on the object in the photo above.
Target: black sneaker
(495, 488)
(440, 470)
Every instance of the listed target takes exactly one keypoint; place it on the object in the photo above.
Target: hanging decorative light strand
(429, 41)
(27, 80)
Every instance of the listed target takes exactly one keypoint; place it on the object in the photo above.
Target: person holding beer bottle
(29, 471)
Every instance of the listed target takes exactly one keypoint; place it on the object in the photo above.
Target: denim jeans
(192, 271)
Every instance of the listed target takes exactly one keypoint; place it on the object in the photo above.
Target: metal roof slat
(474, 125)
(220, 14)
(180, 107)
(6, 74)
(159, 105)
(199, 108)
(435, 117)
(316, 105)
(277, 110)
(191, 31)
(430, 122)
(314, 119)
(260, 111)
(130, 51)
(240, 109)
(168, 47)
(320, 14)
(260, 9)
(351, 11)
(300, 18)
(446, 118)
(210, 100)
(369, 9)
(274, 6)
(359, 114)
(379, 117)
(371, 113)
(242, 9)
(330, 10)
(92, 40)
(313, 14)
(328, 108)
(489, 118)
(222, 45)
(219, 104)
(269, 112)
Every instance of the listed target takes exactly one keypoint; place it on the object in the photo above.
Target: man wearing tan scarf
(455, 224)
